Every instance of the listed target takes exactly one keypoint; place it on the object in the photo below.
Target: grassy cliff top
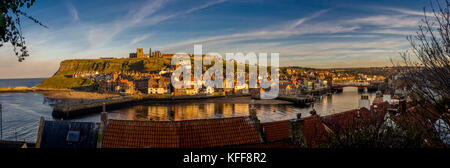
(68, 67)
(62, 79)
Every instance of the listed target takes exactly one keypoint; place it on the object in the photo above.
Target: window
(73, 136)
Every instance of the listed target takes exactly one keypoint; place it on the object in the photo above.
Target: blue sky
(319, 33)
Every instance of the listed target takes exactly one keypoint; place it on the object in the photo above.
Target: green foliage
(64, 82)
(10, 26)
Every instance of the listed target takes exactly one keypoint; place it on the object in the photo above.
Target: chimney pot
(313, 112)
(104, 117)
(296, 130)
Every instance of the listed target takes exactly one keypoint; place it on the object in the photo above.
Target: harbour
(21, 111)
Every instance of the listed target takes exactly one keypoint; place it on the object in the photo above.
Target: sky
(318, 34)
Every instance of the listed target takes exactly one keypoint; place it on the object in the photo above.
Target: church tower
(140, 53)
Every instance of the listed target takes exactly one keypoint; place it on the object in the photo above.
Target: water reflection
(347, 100)
(178, 112)
(21, 111)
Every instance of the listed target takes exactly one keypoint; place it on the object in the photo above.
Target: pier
(297, 100)
(317, 92)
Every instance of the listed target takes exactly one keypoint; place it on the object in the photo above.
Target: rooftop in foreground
(236, 132)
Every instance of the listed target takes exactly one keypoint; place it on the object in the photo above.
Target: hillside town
(225, 83)
(293, 80)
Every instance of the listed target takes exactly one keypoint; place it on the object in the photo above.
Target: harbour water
(22, 111)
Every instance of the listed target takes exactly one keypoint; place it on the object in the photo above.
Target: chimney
(313, 112)
(252, 110)
(299, 115)
(254, 117)
(296, 130)
(402, 106)
(101, 130)
(364, 102)
(358, 114)
(104, 117)
(171, 115)
(104, 107)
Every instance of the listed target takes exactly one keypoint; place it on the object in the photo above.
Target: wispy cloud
(292, 28)
(139, 39)
(146, 15)
(407, 11)
(304, 19)
(394, 31)
(73, 11)
(100, 35)
(204, 6)
(393, 21)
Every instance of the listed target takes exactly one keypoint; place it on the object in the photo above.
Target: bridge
(358, 84)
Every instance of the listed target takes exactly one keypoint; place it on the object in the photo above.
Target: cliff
(62, 79)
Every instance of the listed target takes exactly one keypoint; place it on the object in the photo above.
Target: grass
(63, 78)
(64, 82)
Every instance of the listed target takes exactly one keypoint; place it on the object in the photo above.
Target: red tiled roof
(180, 134)
(381, 108)
(378, 100)
(342, 122)
(314, 131)
(168, 55)
(277, 130)
(417, 117)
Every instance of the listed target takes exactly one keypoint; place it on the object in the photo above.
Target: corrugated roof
(180, 134)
